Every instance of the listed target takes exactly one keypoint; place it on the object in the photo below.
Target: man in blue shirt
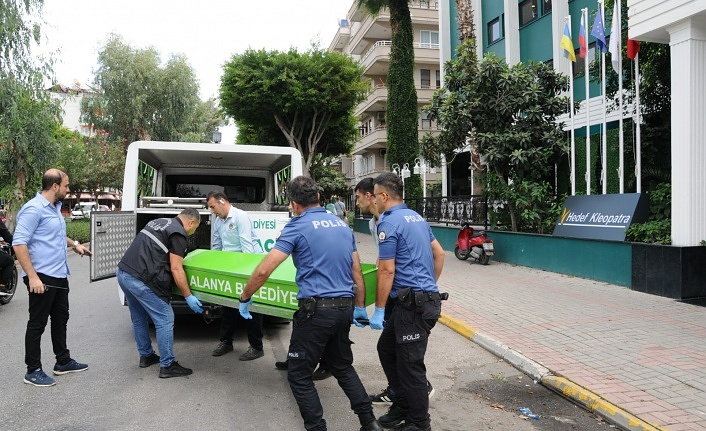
(40, 244)
(233, 231)
(409, 264)
(330, 282)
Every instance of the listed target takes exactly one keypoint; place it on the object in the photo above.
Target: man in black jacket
(6, 261)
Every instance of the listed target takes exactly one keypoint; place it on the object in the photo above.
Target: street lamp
(402, 173)
(420, 166)
(216, 137)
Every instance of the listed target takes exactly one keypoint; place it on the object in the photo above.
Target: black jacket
(5, 233)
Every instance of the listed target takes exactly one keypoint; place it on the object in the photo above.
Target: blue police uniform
(322, 246)
(405, 236)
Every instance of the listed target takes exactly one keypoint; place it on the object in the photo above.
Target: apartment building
(367, 38)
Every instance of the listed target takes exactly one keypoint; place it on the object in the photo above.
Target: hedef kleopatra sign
(601, 216)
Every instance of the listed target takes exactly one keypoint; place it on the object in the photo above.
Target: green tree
(27, 114)
(92, 163)
(509, 113)
(402, 115)
(331, 181)
(140, 100)
(303, 100)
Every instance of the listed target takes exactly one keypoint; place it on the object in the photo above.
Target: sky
(207, 32)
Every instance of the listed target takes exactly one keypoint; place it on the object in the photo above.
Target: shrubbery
(80, 230)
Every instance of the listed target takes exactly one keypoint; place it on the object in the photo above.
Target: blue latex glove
(243, 308)
(194, 304)
(378, 316)
(359, 313)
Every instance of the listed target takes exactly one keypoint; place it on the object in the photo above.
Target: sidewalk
(638, 360)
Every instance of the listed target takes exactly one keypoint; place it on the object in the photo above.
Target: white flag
(614, 46)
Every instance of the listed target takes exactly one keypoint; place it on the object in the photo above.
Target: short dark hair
(191, 214)
(51, 177)
(304, 191)
(390, 182)
(365, 186)
(217, 195)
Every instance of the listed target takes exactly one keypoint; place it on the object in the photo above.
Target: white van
(163, 178)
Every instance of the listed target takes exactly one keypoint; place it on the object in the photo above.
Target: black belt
(328, 302)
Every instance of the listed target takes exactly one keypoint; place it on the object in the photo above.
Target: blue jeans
(144, 303)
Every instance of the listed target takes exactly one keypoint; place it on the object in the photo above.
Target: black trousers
(401, 349)
(53, 303)
(326, 332)
(6, 263)
(254, 326)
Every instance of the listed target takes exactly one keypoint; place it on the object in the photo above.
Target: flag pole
(604, 161)
(638, 152)
(571, 118)
(584, 18)
(620, 94)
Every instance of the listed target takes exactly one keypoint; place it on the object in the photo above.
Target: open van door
(111, 235)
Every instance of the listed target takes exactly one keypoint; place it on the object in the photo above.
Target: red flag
(582, 39)
(633, 48)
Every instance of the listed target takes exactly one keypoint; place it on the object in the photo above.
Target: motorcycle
(8, 293)
(479, 247)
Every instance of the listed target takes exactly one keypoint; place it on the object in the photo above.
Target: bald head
(51, 177)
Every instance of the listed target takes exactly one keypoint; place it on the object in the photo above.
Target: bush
(80, 230)
(658, 229)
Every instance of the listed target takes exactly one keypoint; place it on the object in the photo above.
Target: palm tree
(402, 115)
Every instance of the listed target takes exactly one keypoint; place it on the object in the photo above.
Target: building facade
(523, 30)
(70, 97)
(367, 38)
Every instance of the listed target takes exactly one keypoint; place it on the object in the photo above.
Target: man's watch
(243, 300)
(76, 244)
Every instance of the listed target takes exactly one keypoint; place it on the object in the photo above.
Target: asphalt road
(474, 389)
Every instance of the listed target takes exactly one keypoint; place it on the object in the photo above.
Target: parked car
(83, 210)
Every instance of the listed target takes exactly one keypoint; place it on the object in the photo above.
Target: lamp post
(420, 166)
(402, 173)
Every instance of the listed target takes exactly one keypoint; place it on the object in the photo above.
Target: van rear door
(111, 235)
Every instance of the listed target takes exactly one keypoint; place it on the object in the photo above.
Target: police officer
(328, 269)
(145, 274)
(365, 199)
(410, 262)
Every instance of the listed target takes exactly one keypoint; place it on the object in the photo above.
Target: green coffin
(219, 277)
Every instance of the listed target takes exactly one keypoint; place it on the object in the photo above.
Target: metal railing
(450, 210)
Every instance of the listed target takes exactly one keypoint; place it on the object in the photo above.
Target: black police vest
(147, 258)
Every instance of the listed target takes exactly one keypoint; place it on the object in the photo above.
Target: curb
(576, 393)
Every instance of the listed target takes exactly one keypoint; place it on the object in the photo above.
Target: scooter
(479, 247)
(9, 292)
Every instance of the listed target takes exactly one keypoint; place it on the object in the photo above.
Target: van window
(238, 189)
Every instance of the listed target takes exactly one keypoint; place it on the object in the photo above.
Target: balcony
(368, 28)
(376, 60)
(371, 139)
(375, 101)
(342, 36)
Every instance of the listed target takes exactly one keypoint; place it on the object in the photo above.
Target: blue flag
(598, 31)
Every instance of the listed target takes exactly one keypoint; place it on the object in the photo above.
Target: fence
(450, 210)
